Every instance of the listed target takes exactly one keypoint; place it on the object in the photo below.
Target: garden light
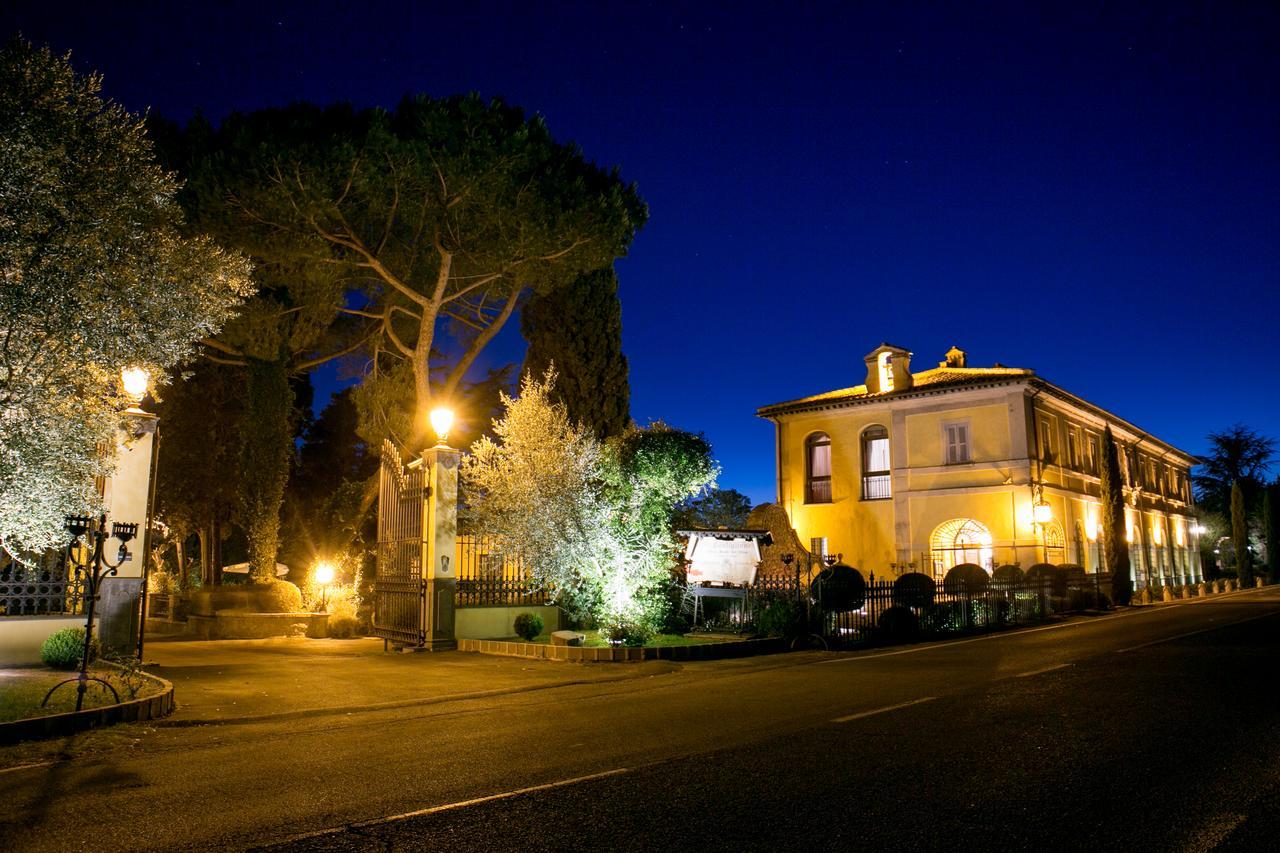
(441, 420)
(324, 573)
(134, 380)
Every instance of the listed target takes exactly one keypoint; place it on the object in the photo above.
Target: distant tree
(1240, 535)
(578, 328)
(1237, 454)
(95, 275)
(1271, 530)
(202, 415)
(726, 508)
(1113, 522)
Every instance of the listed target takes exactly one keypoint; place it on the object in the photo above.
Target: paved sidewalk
(227, 680)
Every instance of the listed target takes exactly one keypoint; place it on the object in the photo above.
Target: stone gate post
(440, 531)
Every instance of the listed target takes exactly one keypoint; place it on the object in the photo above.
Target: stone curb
(56, 725)
(624, 654)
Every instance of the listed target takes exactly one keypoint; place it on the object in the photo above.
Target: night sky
(1092, 194)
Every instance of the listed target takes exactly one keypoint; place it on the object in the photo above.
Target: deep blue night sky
(1093, 195)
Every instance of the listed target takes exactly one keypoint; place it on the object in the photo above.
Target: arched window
(817, 474)
(875, 464)
(960, 540)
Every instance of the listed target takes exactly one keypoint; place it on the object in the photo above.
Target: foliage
(277, 596)
(161, 582)
(727, 508)
(1115, 548)
(781, 617)
(592, 522)
(443, 212)
(264, 465)
(96, 276)
(528, 625)
(629, 633)
(1237, 454)
(129, 675)
(898, 624)
(1271, 530)
(64, 647)
(1240, 535)
(578, 330)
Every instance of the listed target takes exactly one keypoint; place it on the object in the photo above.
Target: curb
(56, 725)
(624, 654)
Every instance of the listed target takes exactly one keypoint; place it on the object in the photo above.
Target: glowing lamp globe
(1043, 513)
(324, 573)
(441, 419)
(134, 380)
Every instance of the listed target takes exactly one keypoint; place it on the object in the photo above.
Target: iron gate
(400, 590)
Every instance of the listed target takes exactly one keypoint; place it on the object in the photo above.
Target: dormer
(888, 369)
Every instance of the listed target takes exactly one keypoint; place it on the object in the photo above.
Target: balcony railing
(876, 487)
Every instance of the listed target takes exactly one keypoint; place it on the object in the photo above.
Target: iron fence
(490, 577)
(39, 586)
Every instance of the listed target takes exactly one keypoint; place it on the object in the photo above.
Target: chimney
(955, 357)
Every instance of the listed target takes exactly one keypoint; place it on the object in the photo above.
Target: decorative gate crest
(400, 590)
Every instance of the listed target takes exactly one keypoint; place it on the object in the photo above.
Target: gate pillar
(440, 531)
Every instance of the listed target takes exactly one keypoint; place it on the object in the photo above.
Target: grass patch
(597, 640)
(22, 690)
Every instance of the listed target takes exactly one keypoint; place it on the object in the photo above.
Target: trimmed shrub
(528, 625)
(63, 648)
(913, 590)
(1006, 576)
(840, 588)
(969, 577)
(278, 597)
(899, 625)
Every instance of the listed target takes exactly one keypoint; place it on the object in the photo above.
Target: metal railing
(39, 586)
(489, 577)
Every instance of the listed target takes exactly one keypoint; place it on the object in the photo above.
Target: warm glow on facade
(984, 465)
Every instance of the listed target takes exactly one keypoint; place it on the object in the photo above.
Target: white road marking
(1042, 670)
(884, 710)
(460, 804)
(1193, 633)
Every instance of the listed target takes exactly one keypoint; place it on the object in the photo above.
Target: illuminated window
(875, 464)
(818, 547)
(1075, 454)
(885, 362)
(960, 540)
(1047, 444)
(817, 482)
(957, 438)
(1091, 461)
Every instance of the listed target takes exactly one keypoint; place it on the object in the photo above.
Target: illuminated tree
(1116, 548)
(96, 275)
(578, 329)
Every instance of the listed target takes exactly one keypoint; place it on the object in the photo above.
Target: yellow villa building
(987, 465)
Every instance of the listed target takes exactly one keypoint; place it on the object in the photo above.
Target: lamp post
(439, 533)
(324, 577)
(94, 569)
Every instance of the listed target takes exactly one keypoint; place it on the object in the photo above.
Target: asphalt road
(1156, 729)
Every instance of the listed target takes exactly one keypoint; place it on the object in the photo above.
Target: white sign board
(722, 560)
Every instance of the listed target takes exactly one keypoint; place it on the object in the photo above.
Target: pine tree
(1116, 548)
(578, 328)
(1240, 535)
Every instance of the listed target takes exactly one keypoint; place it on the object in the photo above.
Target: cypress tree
(1116, 548)
(1271, 530)
(1240, 535)
(578, 328)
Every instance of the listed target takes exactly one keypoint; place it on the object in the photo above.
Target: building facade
(988, 465)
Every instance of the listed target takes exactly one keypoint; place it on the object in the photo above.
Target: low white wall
(22, 636)
(493, 623)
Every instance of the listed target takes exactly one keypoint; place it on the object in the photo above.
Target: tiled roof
(934, 378)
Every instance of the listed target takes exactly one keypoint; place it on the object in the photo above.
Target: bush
(781, 618)
(343, 626)
(913, 590)
(278, 596)
(528, 625)
(63, 648)
(629, 633)
(899, 625)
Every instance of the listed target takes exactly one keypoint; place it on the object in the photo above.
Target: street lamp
(134, 381)
(441, 418)
(94, 569)
(324, 577)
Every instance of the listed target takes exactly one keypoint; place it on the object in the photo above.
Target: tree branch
(481, 340)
